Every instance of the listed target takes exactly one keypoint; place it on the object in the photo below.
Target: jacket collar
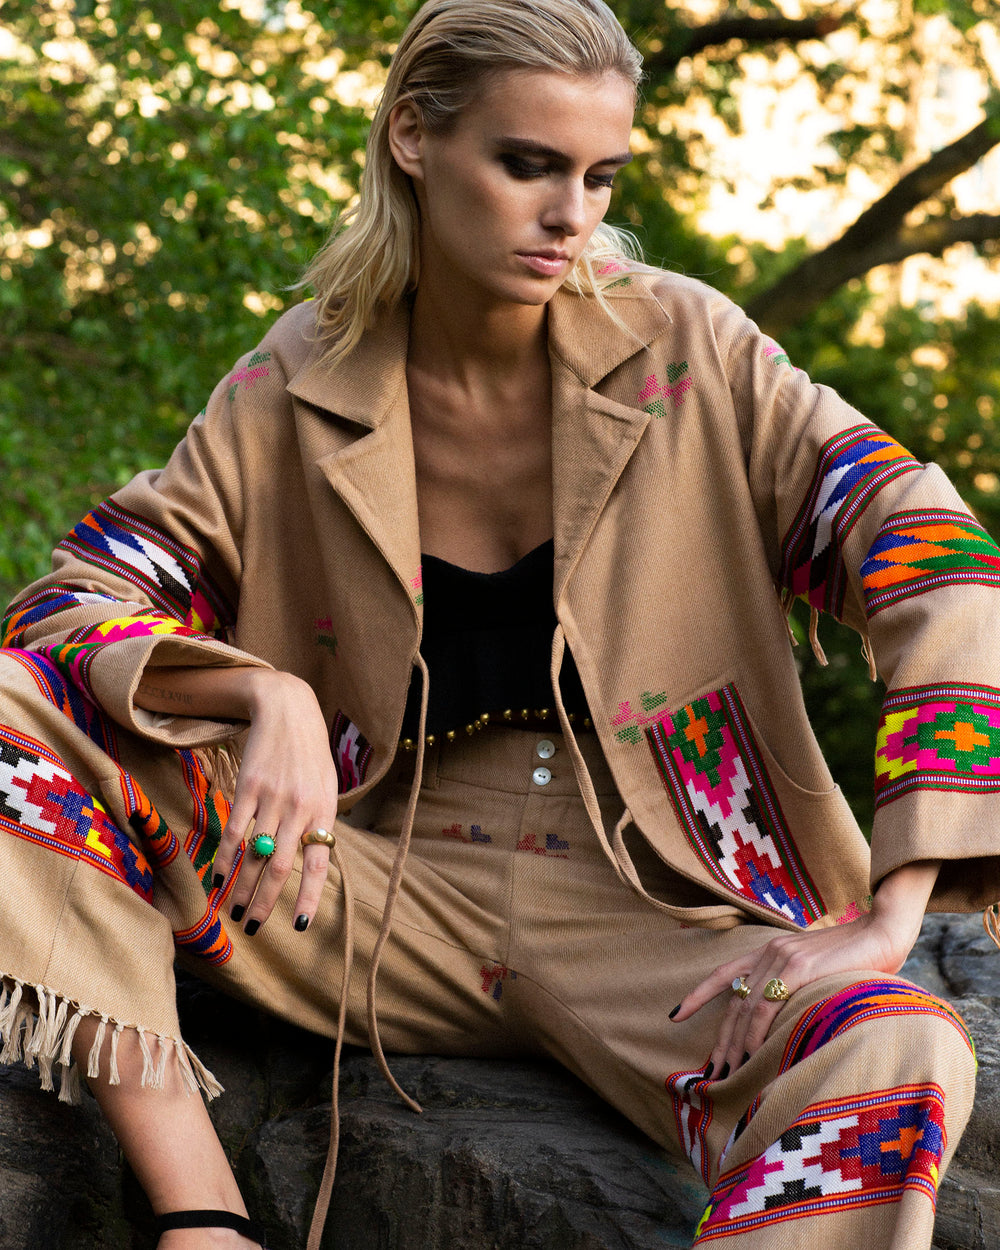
(591, 344)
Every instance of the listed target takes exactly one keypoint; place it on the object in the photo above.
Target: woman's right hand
(287, 785)
(287, 782)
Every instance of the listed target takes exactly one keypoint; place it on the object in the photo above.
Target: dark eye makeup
(525, 168)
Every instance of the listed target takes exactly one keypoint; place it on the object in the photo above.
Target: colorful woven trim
(713, 773)
(42, 802)
(851, 469)
(943, 737)
(693, 1113)
(168, 573)
(858, 1003)
(68, 698)
(838, 1155)
(915, 552)
(47, 603)
(351, 753)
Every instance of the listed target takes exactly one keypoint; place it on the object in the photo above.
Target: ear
(406, 136)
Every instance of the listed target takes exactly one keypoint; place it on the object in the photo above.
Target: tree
(167, 167)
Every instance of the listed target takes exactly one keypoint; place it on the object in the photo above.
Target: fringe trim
(869, 653)
(991, 922)
(221, 764)
(814, 642)
(42, 1036)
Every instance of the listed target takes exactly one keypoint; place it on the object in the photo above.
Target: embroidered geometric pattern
(915, 552)
(418, 586)
(852, 467)
(254, 369)
(457, 833)
(41, 802)
(944, 737)
(629, 725)
(554, 846)
(711, 769)
(206, 937)
(838, 1155)
(858, 1003)
(775, 355)
(494, 975)
(654, 394)
(46, 603)
(72, 702)
(352, 753)
(693, 1112)
(167, 572)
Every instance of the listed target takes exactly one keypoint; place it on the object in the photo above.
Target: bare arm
(287, 782)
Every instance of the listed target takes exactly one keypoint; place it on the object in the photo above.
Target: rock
(507, 1156)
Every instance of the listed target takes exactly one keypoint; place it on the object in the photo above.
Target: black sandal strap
(209, 1219)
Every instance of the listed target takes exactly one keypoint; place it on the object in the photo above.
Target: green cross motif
(964, 736)
(699, 739)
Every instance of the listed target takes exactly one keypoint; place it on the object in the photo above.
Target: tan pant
(512, 936)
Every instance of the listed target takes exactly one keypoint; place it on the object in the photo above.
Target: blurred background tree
(166, 169)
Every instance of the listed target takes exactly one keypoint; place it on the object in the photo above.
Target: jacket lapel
(593, 435)
(373, 471)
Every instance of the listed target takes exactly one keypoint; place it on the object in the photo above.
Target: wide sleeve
(859, 529)
(152, 576)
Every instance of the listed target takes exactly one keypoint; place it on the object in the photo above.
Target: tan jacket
(697, 476)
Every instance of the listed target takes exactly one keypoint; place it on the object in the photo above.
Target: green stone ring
(263, 846)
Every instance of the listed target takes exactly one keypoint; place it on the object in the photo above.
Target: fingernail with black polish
(237, 913)
(708, 1071)
(724, 1072)
(218, 881)
(674, 1012)
(251, 927)
(301, 923)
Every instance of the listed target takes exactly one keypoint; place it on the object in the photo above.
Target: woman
(475, 559)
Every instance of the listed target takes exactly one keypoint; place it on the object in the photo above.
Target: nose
(566, 210)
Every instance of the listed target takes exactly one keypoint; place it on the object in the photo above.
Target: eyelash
(525, 169)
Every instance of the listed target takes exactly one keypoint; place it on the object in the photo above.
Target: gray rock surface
(507, 1156)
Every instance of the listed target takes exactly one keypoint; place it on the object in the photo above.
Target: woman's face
(511, 194)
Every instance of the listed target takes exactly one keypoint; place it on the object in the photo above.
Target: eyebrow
(541, 149)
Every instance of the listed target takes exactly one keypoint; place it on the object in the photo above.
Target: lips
(549, 261)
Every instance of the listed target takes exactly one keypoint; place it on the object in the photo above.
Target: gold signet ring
(776, 991)
(740, 988)
(318, 837)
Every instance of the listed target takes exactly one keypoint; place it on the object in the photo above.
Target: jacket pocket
(724, 789)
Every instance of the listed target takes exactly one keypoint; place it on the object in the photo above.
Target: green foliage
(167, 167)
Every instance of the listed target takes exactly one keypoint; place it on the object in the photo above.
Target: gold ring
(318, 837)
(776, 991)
(740, 988)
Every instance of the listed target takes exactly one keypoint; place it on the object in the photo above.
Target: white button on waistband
(541, 776)
(546, 749)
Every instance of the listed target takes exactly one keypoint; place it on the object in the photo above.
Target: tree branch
(753, 31)
(880, 237)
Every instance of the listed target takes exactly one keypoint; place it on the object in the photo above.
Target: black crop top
(487, 643)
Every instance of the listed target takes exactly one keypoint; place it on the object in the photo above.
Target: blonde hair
(372, 257)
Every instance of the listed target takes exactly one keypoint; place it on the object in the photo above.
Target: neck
(448, 336)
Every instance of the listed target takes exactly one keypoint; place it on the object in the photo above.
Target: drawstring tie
(374, 1040)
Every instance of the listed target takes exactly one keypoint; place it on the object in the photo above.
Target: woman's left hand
(880, 940)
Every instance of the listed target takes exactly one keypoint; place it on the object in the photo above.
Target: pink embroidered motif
(418, 585)
(629, 724)
(255, 369)
(677, 385)
(853, 912)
